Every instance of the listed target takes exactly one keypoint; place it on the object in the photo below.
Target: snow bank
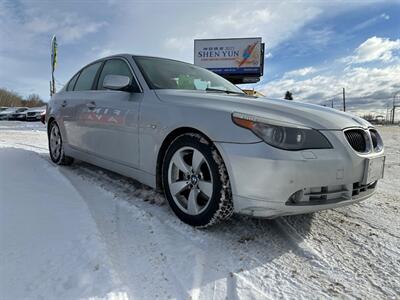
(50, 246)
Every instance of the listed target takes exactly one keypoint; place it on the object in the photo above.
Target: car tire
(196, 182)
(56, 148)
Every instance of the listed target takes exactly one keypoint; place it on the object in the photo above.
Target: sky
(313, 48)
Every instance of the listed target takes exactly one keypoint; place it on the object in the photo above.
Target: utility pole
(387, 113)
(344, 100)
(394, 106)
(332, 103)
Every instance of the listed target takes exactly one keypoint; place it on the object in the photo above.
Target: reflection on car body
(104, 115)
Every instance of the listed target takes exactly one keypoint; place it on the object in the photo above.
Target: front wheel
(56, 146)
(196, 182)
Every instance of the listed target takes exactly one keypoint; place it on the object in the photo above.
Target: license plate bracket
(374, 169)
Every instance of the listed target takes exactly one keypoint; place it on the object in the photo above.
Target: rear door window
(86, 78)
(114, 67)
(71, 83)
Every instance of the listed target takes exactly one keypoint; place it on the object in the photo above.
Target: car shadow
(196, 258)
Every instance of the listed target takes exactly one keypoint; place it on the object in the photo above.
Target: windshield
(161, 73)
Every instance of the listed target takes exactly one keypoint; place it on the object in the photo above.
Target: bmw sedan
(211, 148)
(11, 113)
(35, 113)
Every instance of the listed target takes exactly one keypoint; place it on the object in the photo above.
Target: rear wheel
(56, 146)
(196, 182)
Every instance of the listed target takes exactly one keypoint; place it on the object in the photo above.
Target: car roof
(126, 56)
(129, 55)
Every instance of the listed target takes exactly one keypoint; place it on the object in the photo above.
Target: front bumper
(17, 117)
(269, 182)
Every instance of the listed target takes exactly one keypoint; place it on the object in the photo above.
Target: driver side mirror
(116, 82)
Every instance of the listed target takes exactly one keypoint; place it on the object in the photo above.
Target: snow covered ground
(83, 232)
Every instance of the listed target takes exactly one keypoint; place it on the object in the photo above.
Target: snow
(84, 232)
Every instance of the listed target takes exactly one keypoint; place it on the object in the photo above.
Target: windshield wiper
(223, 91)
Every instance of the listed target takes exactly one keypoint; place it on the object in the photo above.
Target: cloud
(375, 49)
(244, 20)
(89, 30)
(320, 37)
(69, 27)
(268, 55)
(300, 72)
(371, 22)
(27, 28)
(179, 43)
(366, 88)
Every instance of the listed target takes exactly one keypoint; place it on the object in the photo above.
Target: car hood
(309, 115)
(39, 110)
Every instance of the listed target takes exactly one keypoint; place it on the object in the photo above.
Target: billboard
(230, 57)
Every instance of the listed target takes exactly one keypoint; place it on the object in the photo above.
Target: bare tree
(12, 99)
(9, 98)
(33, 100)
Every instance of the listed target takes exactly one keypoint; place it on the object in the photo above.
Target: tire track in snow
(279, 268)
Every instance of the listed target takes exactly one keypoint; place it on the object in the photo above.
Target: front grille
(357, 138)
(376, 140)
(31, 114)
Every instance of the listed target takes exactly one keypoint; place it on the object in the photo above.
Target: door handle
(64, 103)
(91, 105)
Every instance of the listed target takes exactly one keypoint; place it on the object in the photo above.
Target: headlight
(282, 135)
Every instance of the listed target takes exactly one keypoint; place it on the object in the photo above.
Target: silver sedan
(212, 149)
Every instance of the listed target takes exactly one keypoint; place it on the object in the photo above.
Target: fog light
(296, 197)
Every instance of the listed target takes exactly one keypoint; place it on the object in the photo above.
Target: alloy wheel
(55, 142)
(190, 180)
